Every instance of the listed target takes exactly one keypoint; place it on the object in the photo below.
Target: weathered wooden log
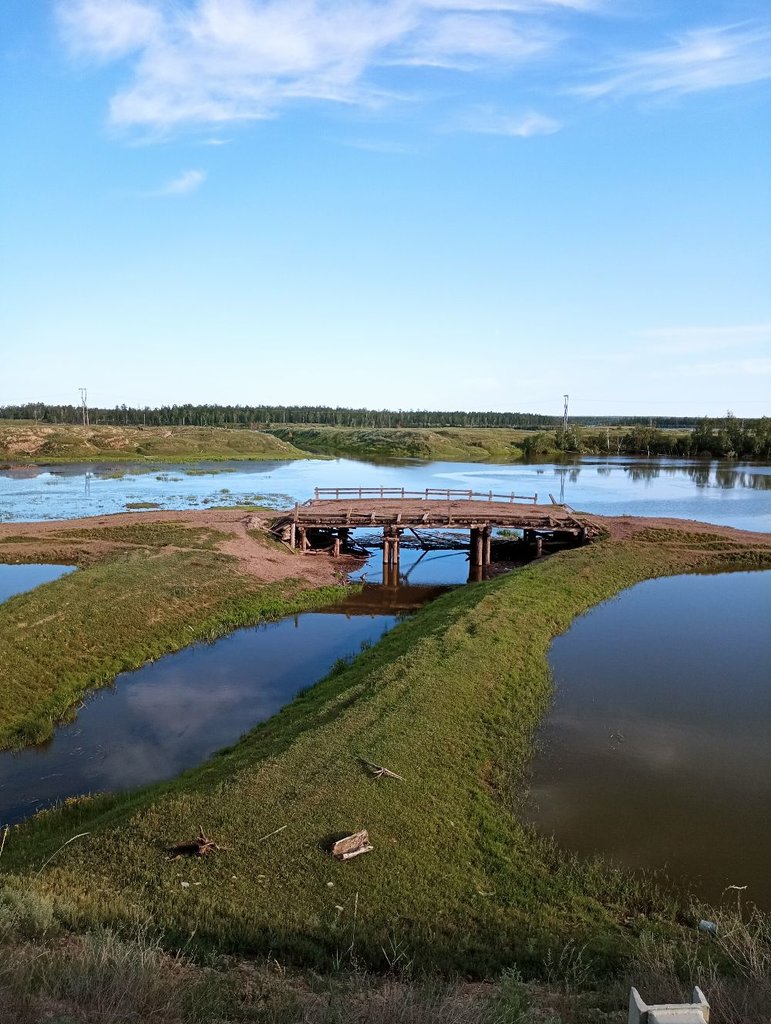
(352, 846)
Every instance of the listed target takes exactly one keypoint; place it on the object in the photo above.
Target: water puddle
(16, 579)
(657, 752)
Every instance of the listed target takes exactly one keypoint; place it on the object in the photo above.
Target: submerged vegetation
(448, 700)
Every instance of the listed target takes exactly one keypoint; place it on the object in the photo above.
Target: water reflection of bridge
(326, 520)
(392, 598)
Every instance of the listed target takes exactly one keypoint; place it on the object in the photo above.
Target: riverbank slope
(45, 443)
(447, 444)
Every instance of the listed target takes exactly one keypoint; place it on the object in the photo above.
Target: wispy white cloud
(214, 62)
(105, 31)
(486, 121)
(182, 185)
(470, 40)
(705, 58)
(217, 61)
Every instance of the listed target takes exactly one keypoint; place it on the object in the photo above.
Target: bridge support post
(293, 535)
(390, 547)
(304, 545)
(487, 545)
(538, 546)
(476, 546)
(336, 547)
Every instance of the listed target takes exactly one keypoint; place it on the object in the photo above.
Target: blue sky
(477, 204)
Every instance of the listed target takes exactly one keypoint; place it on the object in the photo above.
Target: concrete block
(695, 1012)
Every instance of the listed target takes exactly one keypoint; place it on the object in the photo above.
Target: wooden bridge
(327, 519)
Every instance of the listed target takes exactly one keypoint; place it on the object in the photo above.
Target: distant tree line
(265, 415)
(727, 437)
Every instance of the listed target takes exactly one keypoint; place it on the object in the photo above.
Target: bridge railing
(336, 493)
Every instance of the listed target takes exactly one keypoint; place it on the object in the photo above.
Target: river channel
(726, 493)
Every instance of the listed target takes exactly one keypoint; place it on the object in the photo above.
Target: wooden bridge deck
(434, 513)
(334, 512)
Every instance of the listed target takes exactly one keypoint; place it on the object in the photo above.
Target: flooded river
(657, 752)
(726, 493)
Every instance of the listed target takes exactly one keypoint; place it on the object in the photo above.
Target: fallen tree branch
(379, 771)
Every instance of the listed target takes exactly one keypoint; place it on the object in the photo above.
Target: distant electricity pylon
(84, 404)
(565, 415)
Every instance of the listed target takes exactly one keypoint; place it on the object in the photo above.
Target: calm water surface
(15, 579)
(168, 716)
(657, 752)
(730, 494)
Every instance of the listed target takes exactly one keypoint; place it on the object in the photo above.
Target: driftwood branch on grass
(379, 771)
(201, 846)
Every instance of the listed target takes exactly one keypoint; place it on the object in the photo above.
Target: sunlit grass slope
(30, 442)
(449, 700)
(453, 444)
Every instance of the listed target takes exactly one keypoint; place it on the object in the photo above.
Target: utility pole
(84, 404)
(565, 415)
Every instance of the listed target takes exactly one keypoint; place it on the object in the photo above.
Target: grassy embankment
(451, 444)
(141, 591)
(38, 442)
(449, 700)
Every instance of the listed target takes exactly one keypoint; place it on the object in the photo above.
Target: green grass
(65, 443)
(454, 444)
(450, 700)
(63, 638)
(148, 534)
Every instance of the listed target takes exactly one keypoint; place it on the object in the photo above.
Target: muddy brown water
(657, 752)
